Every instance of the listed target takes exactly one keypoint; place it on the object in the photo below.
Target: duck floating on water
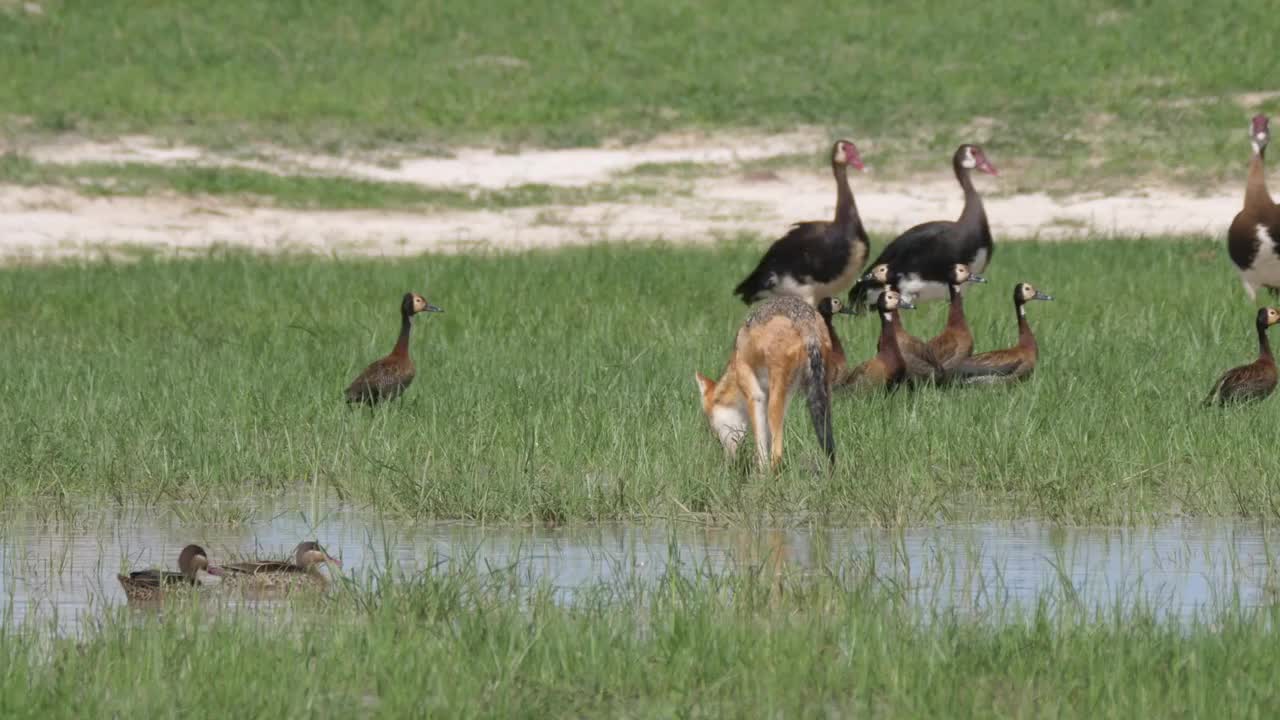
(303, 569)
(144, 585)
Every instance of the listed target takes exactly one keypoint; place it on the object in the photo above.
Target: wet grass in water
(470, 643)
(558, 386)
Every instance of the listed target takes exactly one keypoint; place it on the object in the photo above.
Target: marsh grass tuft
(466, 641)
(558, 387)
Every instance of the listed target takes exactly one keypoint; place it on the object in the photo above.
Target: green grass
(300, 191)
(559, 386)
(1095, 88)
(469, 644)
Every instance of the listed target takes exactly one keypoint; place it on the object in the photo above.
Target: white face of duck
(830, 307)
(889, 301)
(879, 274)
(1027, 293)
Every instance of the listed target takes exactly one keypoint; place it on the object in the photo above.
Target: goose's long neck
(1255, 192)
(1025, 336)
(846, 210)
(973, 212)
(402, 342)
(1264, 345)
(955, 313)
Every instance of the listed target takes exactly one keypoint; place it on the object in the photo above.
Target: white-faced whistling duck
(1256, 380)
(145, 585)
(887, 369)
(1253, 240)
(815, 259)
(923, 255)
(385, 379)
(955, 342)
(829, 308)
(782, 346)
(1010, 364)
(303, 569)
(915, 352)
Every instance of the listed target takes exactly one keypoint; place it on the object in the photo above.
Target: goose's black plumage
(816, 259)
(922, 258)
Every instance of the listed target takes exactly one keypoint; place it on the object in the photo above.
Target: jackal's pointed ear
(705, 384)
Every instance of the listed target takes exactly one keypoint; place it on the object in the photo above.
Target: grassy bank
(559, 385)
(1094, 87)
(468, 644)
(308, 192)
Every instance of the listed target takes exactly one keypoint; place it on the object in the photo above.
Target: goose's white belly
(1265, 271)
(916, 289)
(980, 260)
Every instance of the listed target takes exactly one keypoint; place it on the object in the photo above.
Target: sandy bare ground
(46, 223)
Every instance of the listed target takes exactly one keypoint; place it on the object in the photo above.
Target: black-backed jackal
(782, 345)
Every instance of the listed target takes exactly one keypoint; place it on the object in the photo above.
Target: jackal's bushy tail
(818, 396)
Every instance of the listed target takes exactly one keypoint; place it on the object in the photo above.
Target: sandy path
(41, 223)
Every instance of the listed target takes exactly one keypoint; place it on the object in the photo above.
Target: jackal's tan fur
(783, 345)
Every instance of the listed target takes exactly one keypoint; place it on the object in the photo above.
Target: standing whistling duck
(888, 368)
(146, 585)
(955, 342)
(915, 352)
(385, 379)
(304, 568)
(1256, 380)
(815, 259)
(829, 308)
(1010, 364)
(923, 256)
(1253, 240)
